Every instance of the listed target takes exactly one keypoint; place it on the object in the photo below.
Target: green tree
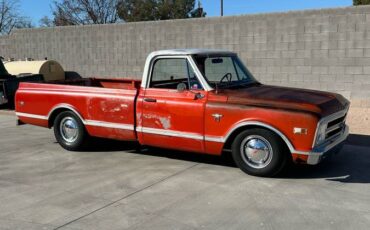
(361, 2)
(147, 10)
(137, 10)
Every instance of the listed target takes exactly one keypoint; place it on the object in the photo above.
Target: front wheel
(259, 152)
(69, 131)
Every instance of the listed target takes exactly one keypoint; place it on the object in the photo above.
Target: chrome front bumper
(330, 147)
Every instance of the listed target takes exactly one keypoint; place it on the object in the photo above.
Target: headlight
(321, 133)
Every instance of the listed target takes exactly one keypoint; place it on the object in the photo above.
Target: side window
(168, 73)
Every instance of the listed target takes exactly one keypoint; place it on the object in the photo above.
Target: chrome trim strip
(214, 139)
(55, 92)
(85, 122)
(165, 132)
(334, 127)
(109, 125)
(29, 115)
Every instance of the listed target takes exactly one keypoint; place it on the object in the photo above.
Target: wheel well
(54, 114)
(231, 138)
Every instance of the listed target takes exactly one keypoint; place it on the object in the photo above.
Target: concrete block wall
(4, 46)
(320, 49)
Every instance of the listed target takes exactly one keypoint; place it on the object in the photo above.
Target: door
(173, 106)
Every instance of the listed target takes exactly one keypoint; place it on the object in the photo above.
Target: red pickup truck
(203, 101)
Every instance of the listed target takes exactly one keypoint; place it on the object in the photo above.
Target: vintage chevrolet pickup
(203, 101)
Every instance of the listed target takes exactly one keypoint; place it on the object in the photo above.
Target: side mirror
(198, 96)
(181, 87)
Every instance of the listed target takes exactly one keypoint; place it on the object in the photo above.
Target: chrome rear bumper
(327, 148)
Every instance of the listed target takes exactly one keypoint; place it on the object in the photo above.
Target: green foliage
(361, 2)
(137, 10)
(83, 12)
(146, 10)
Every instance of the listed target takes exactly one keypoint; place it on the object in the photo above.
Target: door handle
(150, 100)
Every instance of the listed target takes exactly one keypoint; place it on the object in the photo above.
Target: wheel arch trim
(67, 107)
(266, 126)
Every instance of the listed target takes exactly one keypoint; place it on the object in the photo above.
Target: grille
(335, 127)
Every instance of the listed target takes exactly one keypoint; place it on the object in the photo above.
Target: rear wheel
(69, 131)
(259, 152)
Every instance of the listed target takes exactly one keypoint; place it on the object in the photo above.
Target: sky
(36, 9)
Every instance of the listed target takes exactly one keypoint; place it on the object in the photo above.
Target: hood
(312, 101)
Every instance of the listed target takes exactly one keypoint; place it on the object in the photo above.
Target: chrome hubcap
(256, 151)
(69, 129)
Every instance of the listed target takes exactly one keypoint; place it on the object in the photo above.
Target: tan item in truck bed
(51, 70)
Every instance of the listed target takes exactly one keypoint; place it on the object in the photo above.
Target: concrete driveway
(113, 186)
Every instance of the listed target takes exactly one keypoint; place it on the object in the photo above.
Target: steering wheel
(228, 77)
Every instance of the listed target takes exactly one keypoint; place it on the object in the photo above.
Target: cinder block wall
(320, 49)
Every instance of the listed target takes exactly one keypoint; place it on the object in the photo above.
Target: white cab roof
(182, 52)
(189, 52)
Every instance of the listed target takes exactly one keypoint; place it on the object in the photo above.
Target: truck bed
(100, 103)
(112, 83)
(9, 85)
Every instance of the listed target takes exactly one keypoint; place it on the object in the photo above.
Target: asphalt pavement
(115, 186)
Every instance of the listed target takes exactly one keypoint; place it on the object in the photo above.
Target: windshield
(224, 71)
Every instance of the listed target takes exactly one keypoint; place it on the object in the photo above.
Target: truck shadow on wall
(351, 165)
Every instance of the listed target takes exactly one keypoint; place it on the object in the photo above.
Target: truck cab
(203, 101)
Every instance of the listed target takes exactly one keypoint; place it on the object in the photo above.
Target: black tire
(274, 153)
(78, 140)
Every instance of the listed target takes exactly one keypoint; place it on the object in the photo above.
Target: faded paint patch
(163, 122)
(166, 123)
(138, 119)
